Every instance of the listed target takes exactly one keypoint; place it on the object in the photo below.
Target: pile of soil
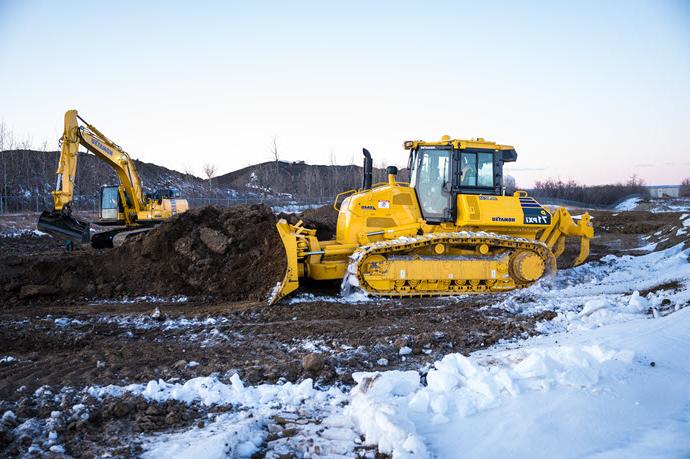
(323, 219)
(29, 244)
(230, 254)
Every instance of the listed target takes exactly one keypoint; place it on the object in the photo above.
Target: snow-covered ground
(294, 208)
(654, 205)
(608, 378)
(628, 204)
(15, 233)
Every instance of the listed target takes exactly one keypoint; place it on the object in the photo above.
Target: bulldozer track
(462, 238)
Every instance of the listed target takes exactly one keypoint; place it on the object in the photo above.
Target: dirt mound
(233, 253)
(228, 254)
(323, 219)
(28, 243)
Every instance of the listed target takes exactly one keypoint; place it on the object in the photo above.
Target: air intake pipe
(368, 164)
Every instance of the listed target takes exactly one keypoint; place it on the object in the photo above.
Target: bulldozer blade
(290, 281)
(64, 226)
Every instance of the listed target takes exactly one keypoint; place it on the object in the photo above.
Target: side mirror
(508, 156)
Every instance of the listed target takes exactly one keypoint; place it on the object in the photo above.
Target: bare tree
(4, 135)
(635, 182)
(6, 143)
(274, 150)
(188, 170)
(210, 172)
(685, 187)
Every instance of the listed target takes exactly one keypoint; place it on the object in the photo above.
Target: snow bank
(239, 433)
(393, 409)
(209, 390)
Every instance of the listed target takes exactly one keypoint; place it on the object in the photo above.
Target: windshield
(430, 174)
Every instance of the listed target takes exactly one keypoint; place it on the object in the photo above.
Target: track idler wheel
(527, 266)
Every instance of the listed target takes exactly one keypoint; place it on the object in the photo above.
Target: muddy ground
(56, 344)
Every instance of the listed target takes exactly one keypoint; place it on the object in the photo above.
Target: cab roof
(508, 152)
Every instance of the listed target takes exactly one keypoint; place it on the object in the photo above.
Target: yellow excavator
(124, 206)
(450, 230)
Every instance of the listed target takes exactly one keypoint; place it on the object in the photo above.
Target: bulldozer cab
(439, 171)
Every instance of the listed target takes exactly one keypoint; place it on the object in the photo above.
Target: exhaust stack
(368, 164)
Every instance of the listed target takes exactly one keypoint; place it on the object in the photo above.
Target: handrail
(337, 196)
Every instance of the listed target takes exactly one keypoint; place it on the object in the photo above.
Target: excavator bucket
(64, 226)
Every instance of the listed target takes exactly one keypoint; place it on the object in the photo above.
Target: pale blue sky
(594, 91)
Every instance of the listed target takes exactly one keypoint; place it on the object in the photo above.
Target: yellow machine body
(483, 241)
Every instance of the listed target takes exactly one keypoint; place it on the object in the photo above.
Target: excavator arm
(60, 221)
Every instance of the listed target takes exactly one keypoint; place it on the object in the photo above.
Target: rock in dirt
(29, 291)
(216, 241)
(313, 362)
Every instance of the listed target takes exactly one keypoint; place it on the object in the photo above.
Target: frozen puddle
(609, 378)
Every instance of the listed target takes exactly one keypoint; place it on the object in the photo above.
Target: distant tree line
(572, 190)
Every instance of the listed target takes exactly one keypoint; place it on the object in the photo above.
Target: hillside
(28, 176)
(299, 179)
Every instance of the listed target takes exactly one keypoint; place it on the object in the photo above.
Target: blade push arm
(563, 226)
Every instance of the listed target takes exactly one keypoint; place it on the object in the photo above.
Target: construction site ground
(103, 336)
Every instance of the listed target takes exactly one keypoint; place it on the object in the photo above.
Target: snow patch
(628, 204)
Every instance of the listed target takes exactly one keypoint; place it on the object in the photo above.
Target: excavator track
(441, 264)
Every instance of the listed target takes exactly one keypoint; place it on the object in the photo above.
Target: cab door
(109, 203)
(431, 179)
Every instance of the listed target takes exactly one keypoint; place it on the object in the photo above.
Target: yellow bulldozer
(451, 230)
(125, 207)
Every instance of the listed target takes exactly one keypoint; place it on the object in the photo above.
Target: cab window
(477, 169)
